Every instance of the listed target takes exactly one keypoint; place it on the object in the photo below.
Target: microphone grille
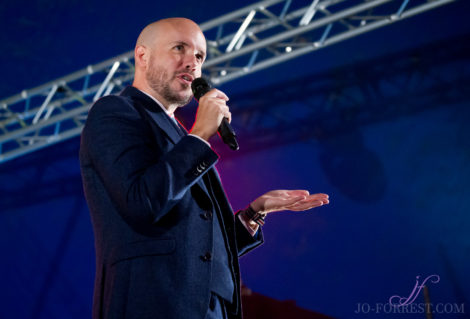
(200, 86)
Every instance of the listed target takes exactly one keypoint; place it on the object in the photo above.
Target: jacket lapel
(164, 122)
(144, 103)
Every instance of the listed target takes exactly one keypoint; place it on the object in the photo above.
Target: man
(167, 242)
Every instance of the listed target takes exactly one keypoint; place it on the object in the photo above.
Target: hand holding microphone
(213, 114)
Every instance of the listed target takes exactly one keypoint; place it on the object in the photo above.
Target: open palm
(294, 200)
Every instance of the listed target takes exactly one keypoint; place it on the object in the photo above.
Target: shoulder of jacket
(114, 104)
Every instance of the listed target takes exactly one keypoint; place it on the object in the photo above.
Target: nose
(191, 62)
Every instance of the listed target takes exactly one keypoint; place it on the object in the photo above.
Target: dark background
(382, 128)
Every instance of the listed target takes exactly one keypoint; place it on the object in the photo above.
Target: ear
(141, 56)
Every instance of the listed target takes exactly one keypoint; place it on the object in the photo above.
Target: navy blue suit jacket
(150, 212)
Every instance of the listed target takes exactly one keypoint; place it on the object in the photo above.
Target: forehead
(182, 32)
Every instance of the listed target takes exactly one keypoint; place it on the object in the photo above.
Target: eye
(200, 57)
(179, 47)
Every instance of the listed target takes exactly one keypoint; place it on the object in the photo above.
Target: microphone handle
(228, 135)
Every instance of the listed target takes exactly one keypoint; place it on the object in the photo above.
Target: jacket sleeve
(143, 180)
(246, 242)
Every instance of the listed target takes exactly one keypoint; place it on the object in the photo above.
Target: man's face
(175, 61)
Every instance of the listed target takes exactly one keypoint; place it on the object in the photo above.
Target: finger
(285, 202)
(298, 192)
(320, 195)
(310, 201)
(225, 112)
(224, 109)
(305, 206)
(217, 94)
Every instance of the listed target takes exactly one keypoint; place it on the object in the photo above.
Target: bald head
(151, 32)
(168, 55)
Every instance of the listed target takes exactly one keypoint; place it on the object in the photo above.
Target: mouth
(186, 78)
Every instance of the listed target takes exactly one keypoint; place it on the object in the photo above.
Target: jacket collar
(155, 111)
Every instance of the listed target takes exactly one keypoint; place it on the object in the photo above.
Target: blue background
(398, 183)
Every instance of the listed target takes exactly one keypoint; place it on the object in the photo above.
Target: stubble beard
(158, 79)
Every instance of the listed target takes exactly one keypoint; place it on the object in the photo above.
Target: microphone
(200, 87)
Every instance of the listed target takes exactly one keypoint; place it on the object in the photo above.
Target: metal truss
(270, 32)
(347, 98)
(239, 43)
(56, 111)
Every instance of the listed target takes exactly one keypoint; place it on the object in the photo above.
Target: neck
(170, 107)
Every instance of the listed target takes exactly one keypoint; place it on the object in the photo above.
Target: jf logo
(399, 301)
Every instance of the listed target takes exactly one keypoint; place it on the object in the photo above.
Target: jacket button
(198, 171)
(207, 215)
(206, 257)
